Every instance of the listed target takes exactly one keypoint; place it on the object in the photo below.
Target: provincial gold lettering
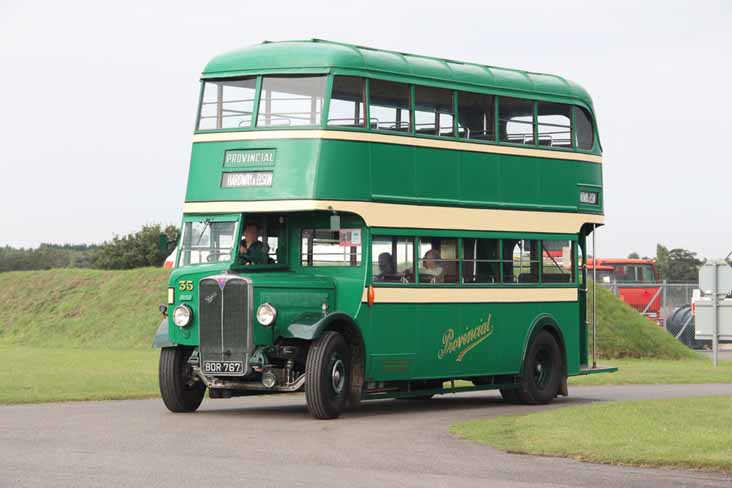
(465, 341)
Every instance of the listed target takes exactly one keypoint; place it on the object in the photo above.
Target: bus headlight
(182, 315)
(266, 314)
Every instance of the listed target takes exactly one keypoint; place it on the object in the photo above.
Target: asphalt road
(272, 441)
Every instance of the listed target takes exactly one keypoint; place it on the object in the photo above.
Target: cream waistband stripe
(470, 295)
(417, 216)
(392, 139)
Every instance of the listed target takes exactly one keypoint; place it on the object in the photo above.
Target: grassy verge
(658, 371)
(624, 333)
(686, 433)
(46, 375)
(82, 308)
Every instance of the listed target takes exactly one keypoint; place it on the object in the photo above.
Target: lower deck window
(481, 261)
(557, 262)
(504, 261)
(439, 260)
(521, 261)
(392, 259)
(324, 247)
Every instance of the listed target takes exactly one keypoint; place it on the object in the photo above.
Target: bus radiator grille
(225, 321)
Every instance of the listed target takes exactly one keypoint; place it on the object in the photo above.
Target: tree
(677, 264)
(134, 250)
(633, 255)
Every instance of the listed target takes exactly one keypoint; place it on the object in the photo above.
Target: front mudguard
(162, 339)
(310, 326)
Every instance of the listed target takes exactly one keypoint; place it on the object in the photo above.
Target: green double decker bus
(364, 224)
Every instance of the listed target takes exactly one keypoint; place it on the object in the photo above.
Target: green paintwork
(294, 293)
(366, 171)
(320, 56)
(406, 339)
(311, 325)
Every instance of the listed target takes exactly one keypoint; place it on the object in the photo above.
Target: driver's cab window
(206, 241)
(263, 240)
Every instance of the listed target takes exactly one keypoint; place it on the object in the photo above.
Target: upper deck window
(515, 120)
(347, 102)
(583, 133)
(291, 101)
(227, 104)
(554, 121)
(477, 116)
(389, 109)
(434, 111)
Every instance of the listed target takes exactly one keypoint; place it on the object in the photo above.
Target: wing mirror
(166, 245)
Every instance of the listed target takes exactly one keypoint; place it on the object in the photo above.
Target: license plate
(223, 367)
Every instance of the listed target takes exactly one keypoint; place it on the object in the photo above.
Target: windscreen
(635, 273)
(207, 242)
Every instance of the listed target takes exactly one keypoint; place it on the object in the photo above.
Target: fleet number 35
(185, 285)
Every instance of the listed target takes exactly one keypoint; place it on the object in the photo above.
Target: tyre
(328, 376)
(542, 371)
(177, 386)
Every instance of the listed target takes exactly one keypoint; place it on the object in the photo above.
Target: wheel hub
(338, 376)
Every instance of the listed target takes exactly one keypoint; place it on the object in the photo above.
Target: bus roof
(321, 56)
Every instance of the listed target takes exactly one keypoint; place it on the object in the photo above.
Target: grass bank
(684, 433)
(33, 375)
(624, 333)
(82, 308)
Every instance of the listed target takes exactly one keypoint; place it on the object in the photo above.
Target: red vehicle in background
(636, 281)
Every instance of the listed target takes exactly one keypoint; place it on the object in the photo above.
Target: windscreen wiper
(207, 222)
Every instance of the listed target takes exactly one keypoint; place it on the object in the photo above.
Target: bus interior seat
(556, 277)
(390, 278)
(528, 278)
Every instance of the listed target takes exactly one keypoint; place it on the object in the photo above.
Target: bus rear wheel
(328, 376)
(180, 391)
(542, 372)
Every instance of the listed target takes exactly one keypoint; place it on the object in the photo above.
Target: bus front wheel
(179, 389)
(542, 372)
(328, 376)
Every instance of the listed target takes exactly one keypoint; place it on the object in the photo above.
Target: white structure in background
(170, 260)
(713, 309)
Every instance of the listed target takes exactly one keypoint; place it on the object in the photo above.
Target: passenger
(431, 266)
(252, 250)
(386, 267)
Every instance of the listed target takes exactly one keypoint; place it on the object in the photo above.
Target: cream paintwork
(425, 294)
(417, 216)
(391, 139)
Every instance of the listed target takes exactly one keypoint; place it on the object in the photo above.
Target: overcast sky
(98, 101)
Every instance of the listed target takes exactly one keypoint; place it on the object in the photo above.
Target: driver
(251, 249)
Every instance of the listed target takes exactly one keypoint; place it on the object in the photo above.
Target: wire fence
(655, 300)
